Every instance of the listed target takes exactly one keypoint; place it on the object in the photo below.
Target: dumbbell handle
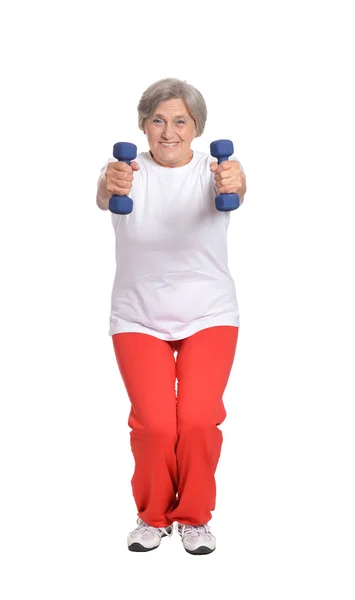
(124, 152)
(222, 150)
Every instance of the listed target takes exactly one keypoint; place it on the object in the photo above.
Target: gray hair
(166, 89)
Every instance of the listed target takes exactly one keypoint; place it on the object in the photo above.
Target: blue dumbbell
(124, 152)
(222, 150)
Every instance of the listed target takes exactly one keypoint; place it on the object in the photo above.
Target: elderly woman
(174, 315)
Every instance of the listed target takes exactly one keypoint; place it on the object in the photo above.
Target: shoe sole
(201, 550)
(136, 547)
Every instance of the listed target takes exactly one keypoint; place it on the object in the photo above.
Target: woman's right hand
(119, 177)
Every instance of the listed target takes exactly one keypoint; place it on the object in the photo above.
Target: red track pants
(175, 439)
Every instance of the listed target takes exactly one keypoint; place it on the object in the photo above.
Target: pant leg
(203, 365)
(147, 366)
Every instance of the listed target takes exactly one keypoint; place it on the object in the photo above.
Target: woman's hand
(229, 178)
(119, 177)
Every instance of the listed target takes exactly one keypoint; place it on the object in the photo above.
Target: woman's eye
(178, 122)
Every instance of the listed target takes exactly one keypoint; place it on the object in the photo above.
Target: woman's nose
(168, 132)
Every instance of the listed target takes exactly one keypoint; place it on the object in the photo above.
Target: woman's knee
(154, 426)
(200, 420)
(197, 425)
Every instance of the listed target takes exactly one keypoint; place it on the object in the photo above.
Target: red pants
(175, 439)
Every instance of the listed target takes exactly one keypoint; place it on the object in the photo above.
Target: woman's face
(170, 131)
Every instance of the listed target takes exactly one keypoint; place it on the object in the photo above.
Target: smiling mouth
(169, 145)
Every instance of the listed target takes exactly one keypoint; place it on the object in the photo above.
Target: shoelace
(142, 527)
(193, 529)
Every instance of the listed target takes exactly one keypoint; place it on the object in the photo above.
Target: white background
(278, 80)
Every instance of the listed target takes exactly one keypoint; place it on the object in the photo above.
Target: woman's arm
(102, 196)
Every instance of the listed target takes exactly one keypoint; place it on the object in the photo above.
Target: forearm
(103, 196)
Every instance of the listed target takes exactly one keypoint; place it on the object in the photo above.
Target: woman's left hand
(229, 178)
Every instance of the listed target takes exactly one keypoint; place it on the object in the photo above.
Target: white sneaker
(145, 537)
(197, 539)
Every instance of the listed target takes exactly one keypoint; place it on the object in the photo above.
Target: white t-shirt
(172, 277)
